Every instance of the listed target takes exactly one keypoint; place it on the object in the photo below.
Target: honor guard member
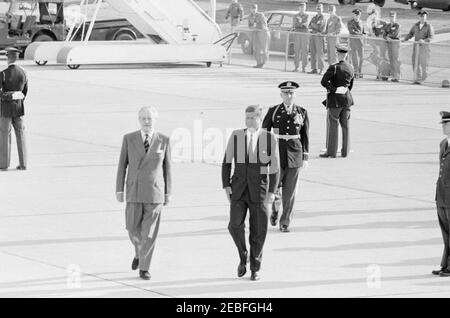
(338, 80)
(290, 124)
(260, 36)
(423, 33)
(301, 38)
(317, 26)
(235, 12)
(392, 37)
(443, 195)
(333, 29)
(14, 88)
(356, 29)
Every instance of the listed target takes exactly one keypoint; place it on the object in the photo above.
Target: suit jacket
(339, 74)
(293, 151)
(257, 171)
(443, 182)
(13, 78)
(148, 175)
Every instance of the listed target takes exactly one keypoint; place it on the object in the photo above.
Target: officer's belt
(287, 137)
(15, 95)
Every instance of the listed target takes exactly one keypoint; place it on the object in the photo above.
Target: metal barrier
(383, 59)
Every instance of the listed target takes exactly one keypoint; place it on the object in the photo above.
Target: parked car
(379, 3)
(432, 4)
(277, 21)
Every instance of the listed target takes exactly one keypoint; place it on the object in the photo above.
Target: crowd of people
(312, 36)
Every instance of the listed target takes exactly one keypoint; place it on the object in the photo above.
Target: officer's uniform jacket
(300, 22)
(392, 31)
(334, 25)
(338, 75)
(443, 182)
(235, 11)
(355, 27)
(258, 21)
(292, 151)
(426, 33)
(317, 24)
(12, 79)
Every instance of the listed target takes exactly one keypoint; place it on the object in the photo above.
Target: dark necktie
(146, 144)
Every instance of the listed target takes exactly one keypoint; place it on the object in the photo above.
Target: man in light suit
(254, 152)
(14, 88)
(146, 163)
(443, 195)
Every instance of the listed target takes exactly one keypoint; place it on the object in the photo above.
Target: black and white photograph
(224, 149)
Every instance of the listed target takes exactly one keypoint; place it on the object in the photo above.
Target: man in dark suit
(443, 195)
(14, 88)
(338, 80)
(254, 152)
(290, 124)
(146, 163)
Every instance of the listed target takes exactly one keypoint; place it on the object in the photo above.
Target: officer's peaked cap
(445, 117)
(288, 85)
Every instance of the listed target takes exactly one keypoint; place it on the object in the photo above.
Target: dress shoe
(320, 72)
(314, 71)
(284, 229)
(295, 70)
(255, 276)
(145, 275)
(445, 273)
(21, 168)
(360, 76)
(437, 271)
(325, 155)
(241, 270)
(394, 80)
(274, 218)
(135, 264)
(3, 169)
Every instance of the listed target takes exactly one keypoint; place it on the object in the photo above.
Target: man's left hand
(167, 200)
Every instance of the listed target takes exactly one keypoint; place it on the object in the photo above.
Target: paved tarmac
(364, 226)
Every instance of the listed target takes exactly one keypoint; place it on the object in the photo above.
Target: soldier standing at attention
(392, 37)
(260, 36)
(423, 33)
(338, 80)
(300, 24)
(317, 26)
(14, 88)
(443, 195)
(332, 29)
(236, 13)
(290, 124)
(356, 29)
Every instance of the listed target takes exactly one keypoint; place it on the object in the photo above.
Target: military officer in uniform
(392, 37)
(254, 152)
(423, 33)
(290, 123)
(260, 36)
(300, 25)
(443, 195)
(317, 26)
(235, 12)
(338, 80)
(14, 88)
(356, 29)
